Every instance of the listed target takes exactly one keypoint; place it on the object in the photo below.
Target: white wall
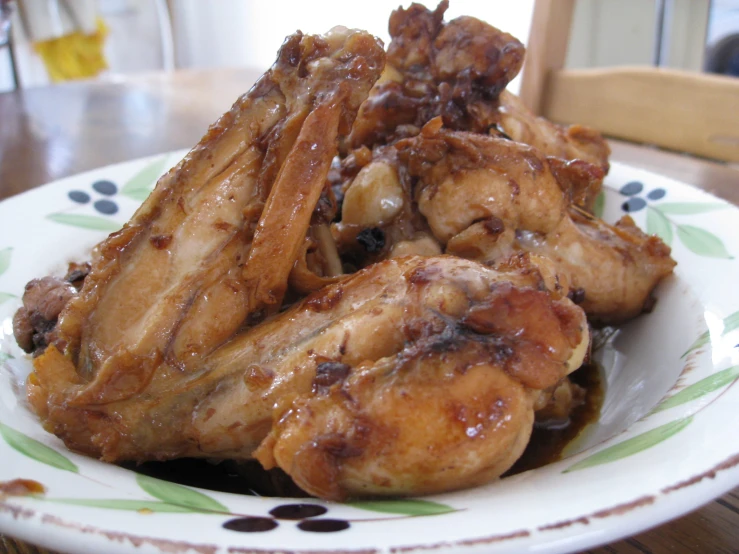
(607, 33)
(249, 32)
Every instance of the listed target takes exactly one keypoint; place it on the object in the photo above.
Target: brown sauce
(547, 442)
(21, 487)
(546, 446)
(247, 477)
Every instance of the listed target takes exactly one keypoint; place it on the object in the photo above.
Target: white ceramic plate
(667, 440)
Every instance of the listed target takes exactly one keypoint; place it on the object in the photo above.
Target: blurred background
(149, 35)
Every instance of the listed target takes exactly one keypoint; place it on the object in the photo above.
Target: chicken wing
(486, 198)
(454, 70)
(424, 380)
(578, 150)
(409, 377)
(212, 247)
(458, 71)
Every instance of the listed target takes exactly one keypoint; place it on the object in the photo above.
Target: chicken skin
(576, 151)
(410, 377)
(453, 70)
(174, 348)
(486, 198)
(212, 247)
(458, 70)
(420, 375)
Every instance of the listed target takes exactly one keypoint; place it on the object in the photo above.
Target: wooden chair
(680, 110)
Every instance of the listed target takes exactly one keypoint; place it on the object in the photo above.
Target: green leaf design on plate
(702, 242)
(5, 296)
(702, 340)
(633, 445)
(599, 205)
(172, 493)
(35, 450)
(690, 208)
(701, 388)
(5, 255)
(85, 222)
(140, 185)
(658, 224)
(120, 504)
(408, 507)
(731, 323)
(5, 356)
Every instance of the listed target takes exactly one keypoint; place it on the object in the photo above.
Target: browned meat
(486, 198)
(351, 389)
(614, 267)
(43, 301)
(379, 216)
(580, 150)
(414, 375)
(574, 142)
(433, 385)
(455, 70)
(211, 249)
(458, 71)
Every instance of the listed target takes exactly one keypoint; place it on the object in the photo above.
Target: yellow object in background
(74, 56)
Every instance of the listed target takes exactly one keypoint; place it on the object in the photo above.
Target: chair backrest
(681, 110)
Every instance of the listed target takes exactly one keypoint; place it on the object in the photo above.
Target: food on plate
(444, 361)
(458, 71)
(375, 277)
(487, 198)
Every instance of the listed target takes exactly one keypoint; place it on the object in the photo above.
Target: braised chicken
(455, 70)
(436, 391)
(486, 198)
(212, 247)
(458, 71)
(573, 142)
(283, 294)
(445, 160)
(409, 377)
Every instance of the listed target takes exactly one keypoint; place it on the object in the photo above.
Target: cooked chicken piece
(211, 249)
(414, 375)
(43, 301)
(574, 142)
(458, 71)
(409, 377)
(424, 372)
(455, 70)
(581, 148)
(399, 217)
(486, 198)
(622, 265)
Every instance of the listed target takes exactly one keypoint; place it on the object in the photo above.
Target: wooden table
(50, 133)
